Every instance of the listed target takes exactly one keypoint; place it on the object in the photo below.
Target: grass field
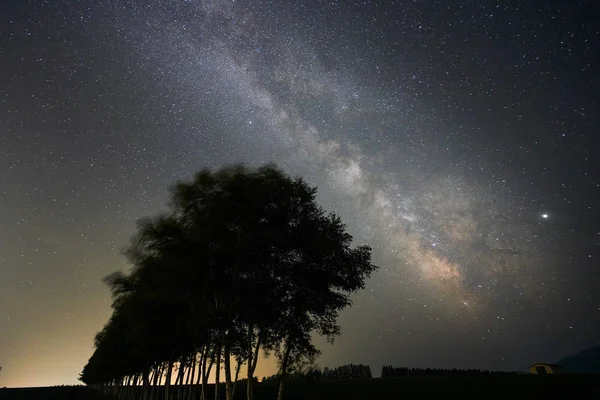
(475, 387)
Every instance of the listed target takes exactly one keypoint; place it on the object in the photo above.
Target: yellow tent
(545, 369)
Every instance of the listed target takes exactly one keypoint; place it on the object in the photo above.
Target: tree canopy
(242, 260)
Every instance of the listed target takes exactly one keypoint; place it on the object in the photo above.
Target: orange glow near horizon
(61, 353)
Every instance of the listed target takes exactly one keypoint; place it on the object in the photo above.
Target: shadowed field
(51, 393)
(508, 386)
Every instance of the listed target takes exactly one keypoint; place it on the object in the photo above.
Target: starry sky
(459, 139)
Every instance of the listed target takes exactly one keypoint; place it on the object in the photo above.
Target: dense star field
(459, 139)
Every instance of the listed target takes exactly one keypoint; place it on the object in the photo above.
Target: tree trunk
(252, 360)
(168, 379)
(146, 386)
(155, 380)
(280, 391)
(162, 379)
(201, 366)
(227, 361)
(191, 388)
(133, 394)
(185, 382)
(181, 376)
(202, 374)
(189, 371)
(135, 387)
(206, 374)
(180, 373)
(283, 372)
(118, 385)
(238, 366)
(218, 372)
(121, 387)
(127, 388)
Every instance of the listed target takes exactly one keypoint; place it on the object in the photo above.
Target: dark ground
(468, 387)
(51, 393)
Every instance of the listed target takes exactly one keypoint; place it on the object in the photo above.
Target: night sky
(459, 139)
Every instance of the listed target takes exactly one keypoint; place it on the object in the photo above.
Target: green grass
(467, 387)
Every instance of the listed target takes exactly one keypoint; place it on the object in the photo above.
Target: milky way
(445, 137)
(439, 228)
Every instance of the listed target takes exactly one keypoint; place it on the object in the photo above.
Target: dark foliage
(349, 371)
(243, 260)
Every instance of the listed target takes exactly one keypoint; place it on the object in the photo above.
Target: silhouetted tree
(243, 260)
(349, 371)
(308, 371)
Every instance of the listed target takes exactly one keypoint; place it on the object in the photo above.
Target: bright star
(545, 216)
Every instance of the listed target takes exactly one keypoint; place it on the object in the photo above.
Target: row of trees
(394, 372)
(243, 260)
(349, 371)
(360, 371)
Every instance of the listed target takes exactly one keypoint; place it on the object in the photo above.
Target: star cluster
(459, 141)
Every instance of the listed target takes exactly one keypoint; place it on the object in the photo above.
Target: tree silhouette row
(395, 372)
(349, 371)
(243, 260)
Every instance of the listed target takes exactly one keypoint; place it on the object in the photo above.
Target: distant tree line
(349, 371)
(394, 372)
(243, 260)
